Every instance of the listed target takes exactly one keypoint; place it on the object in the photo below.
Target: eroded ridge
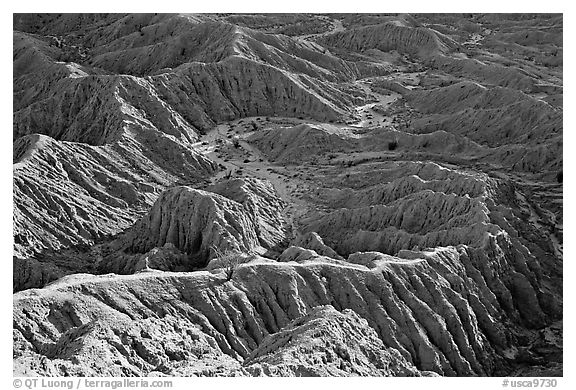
(288, 195)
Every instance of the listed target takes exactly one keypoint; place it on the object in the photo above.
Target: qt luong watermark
(91, 383)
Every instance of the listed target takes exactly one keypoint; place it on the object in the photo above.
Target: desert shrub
(229, 259)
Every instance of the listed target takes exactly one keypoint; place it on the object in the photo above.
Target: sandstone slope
(287, 195)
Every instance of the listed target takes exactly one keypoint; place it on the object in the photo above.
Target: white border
(296, 6)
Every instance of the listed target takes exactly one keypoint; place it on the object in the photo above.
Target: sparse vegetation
(229, 259)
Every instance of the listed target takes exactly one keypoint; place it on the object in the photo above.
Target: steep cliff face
(205, 223)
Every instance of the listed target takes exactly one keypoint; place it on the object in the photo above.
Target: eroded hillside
(386, 189)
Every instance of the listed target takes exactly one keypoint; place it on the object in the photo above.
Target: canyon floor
(287, 195)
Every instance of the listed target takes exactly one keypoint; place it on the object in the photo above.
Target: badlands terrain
(287, 195)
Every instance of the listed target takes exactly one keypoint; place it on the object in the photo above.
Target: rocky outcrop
(262, 202)
(31, 273)
(326, 342)
(313, 241)
(68, 193)
(306, 256)
(451, 313)
(242, 216)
